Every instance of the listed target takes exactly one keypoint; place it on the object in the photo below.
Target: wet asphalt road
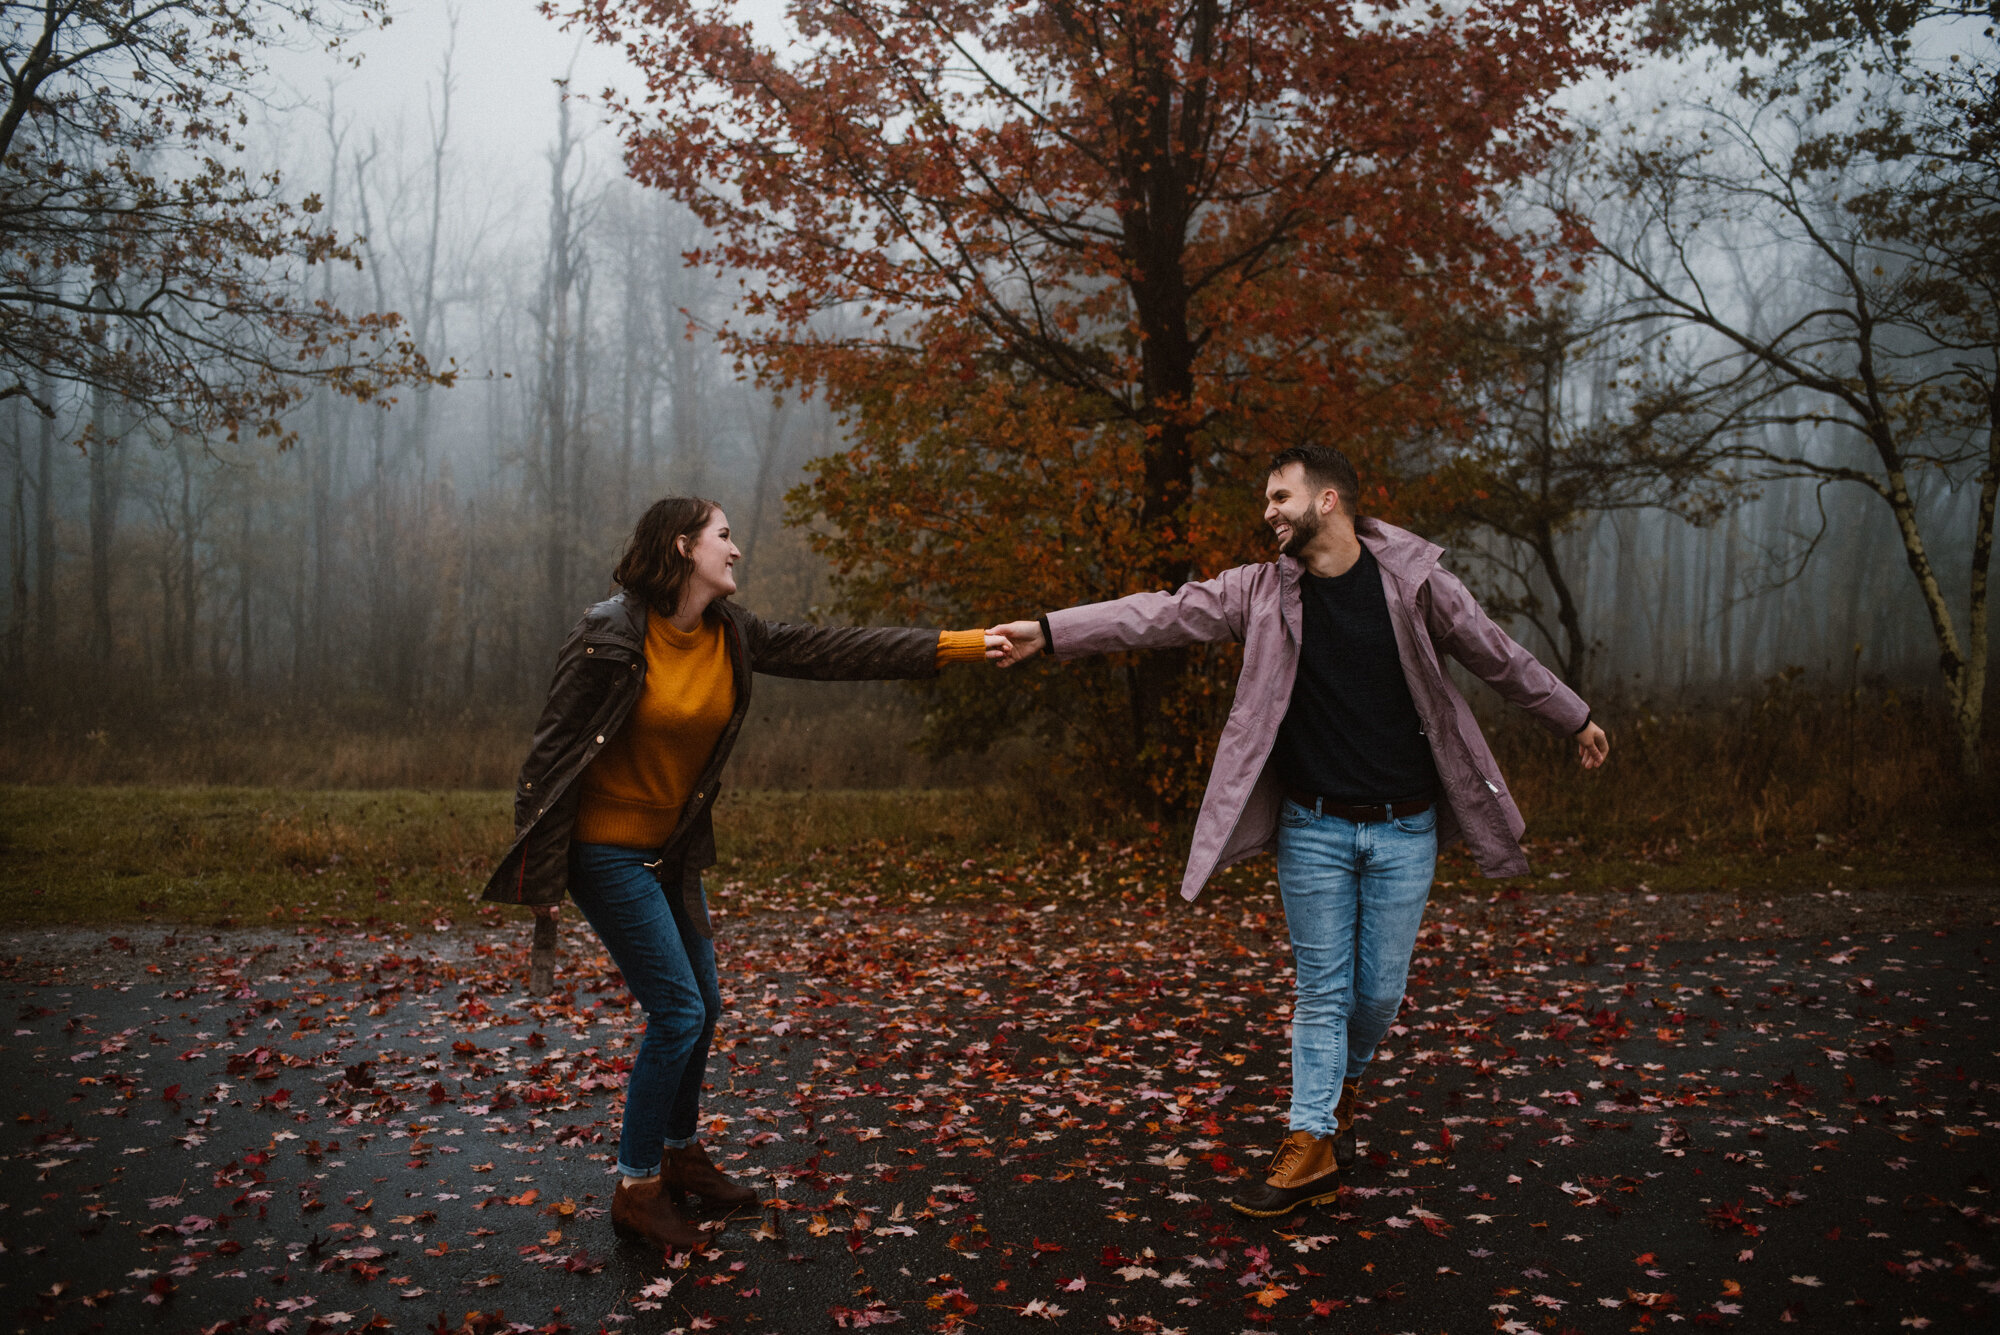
(329, 1131)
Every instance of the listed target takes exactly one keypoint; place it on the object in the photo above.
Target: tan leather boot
(690, 1169)
(641, 1210)
(1343, 1127)
(1303, 1172)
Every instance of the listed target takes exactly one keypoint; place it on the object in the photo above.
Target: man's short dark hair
(1324, 467)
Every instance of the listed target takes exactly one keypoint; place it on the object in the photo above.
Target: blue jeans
(670, 968)
(1354, 900)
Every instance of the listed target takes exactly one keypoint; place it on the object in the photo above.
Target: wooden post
(542, 959)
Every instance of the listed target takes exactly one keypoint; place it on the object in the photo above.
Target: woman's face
(715, 558)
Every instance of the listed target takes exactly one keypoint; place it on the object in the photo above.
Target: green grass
(242, 856)
(266, 856)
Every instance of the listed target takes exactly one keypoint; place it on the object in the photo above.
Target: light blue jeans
(1354, 901)
(670, 968)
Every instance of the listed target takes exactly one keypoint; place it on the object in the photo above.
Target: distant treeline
(1663, 515)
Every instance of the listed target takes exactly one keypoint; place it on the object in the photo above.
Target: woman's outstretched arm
(857, 653)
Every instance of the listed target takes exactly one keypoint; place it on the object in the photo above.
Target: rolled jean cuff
(628, 1171)
(673, 1144)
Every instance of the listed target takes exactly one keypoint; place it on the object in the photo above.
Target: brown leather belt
(1371, 811)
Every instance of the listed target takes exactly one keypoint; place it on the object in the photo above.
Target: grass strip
(87, 856)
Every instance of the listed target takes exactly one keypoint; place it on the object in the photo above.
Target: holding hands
(1014, 642)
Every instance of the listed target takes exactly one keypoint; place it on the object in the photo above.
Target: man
(1349, 753)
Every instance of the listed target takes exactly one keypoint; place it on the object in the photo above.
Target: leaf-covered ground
(1019, 1106)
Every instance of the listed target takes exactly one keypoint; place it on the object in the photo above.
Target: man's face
(1293, 509)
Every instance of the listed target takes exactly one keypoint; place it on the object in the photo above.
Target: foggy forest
(402, 569)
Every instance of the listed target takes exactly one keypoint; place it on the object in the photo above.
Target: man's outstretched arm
(1461, 627)
(1196, 613)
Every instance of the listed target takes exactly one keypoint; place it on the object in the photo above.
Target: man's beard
(1304, 529)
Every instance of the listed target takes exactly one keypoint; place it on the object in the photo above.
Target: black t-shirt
(1351, 733)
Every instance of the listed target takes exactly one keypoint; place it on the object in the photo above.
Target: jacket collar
(622, 616)
(1407, 558)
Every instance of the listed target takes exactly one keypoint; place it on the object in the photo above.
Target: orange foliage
(1071, 271)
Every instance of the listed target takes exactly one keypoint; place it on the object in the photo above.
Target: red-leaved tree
(1070, 270)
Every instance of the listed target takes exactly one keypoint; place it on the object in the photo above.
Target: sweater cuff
(961, 646)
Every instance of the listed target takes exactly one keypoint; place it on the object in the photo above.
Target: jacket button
(600, 739)
(590, 651)
(527, 787)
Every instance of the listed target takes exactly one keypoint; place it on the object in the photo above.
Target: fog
(426, 559)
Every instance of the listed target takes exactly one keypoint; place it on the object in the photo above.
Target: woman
(613, 808)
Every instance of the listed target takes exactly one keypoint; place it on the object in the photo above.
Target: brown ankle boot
(1302, 1173)
(1343, 1127)
(691, 1169)
(641, 1210)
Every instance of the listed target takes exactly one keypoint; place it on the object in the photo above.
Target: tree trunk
(770, 445)
(415, 611)
(1155, 234)
(169, 671)
(630, 370)
(579, 416)
(469, 599)
(381, 560)
(1972, 698)
(1964, 672)
(386, 624)
(245, 622)
(1725, 637)
(690, 466)
(1575, 650)
(17, 551)
(319, 508)
(561, 402)
(107, 478)
(296, 609)
(190, 561)
(687, 467)
(45, 540)
(320, 468)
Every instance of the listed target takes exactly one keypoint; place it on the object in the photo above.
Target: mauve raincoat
(1432, 613)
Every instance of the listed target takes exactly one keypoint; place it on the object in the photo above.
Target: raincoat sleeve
(1460, 627)
(1196, 613)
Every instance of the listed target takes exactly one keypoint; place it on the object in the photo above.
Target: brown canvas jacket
(599, 671)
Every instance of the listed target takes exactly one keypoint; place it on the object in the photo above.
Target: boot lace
(1294, 1147)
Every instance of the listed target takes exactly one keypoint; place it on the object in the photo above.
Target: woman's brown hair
(653, 567)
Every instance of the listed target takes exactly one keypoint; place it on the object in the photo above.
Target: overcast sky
(507, 59)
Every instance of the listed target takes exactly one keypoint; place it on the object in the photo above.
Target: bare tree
(1570, 415)
(16, 656)
(562, 385)
(139, 262)
(181, 502)
(1892, 347)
